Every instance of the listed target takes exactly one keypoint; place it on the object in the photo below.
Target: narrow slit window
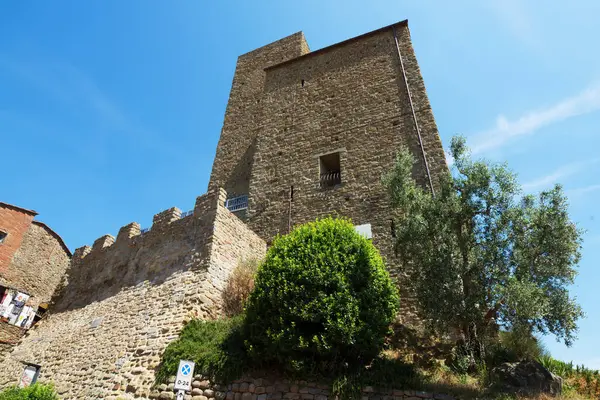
(330, 170)
(3, 236)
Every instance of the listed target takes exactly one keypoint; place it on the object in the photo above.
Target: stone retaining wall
(277, 389)
(127, 298)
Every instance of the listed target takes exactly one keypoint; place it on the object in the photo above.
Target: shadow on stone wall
(173, 245)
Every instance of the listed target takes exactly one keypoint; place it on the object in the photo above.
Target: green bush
(322, 299)
(515, 345)
(34, 392)
(216, 347)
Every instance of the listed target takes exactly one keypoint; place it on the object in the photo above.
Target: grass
(217, 348)
(577, 378)
(36, 391)
(239, 286)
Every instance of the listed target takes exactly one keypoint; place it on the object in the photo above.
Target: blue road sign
(185, 372)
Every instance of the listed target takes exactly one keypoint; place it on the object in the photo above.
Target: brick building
(33, 261)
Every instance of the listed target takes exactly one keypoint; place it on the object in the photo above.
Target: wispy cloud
(561, 173)
(506, 130)
(517, 18)
(73, 87)
(582, 191)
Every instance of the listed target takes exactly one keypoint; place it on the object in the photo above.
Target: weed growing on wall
(239, 286)
(217, 348)
(34, 392)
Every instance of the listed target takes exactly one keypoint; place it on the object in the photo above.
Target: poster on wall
(29, 376)
(18, 305)
(24, 317)
(7, 303)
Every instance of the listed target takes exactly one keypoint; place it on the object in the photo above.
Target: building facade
(309, 134)
(33, 262)
(306, 134)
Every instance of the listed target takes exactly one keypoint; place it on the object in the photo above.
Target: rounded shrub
(322, 299)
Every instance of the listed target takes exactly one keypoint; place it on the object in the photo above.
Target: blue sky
(111, 111)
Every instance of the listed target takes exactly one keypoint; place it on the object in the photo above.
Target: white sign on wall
(365, 230)
(29, 376)
(185, 374)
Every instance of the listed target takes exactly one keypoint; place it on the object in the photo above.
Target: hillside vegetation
(489, 266)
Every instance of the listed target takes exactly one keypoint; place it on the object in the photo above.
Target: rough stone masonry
(306, 134)
(296, 119)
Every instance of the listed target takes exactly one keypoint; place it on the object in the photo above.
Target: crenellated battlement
(172, 245)
(128, 233)
(166, 217)
(139, 289)
(103, 242)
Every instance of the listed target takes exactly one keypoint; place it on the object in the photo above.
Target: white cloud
(561, 173)
(73, 87)
(582, 191)
(516, 17)
(505, 130)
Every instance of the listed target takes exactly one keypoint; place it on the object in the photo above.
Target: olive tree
(482, 253)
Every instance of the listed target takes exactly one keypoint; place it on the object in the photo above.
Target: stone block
(246, 396)
(166, 217)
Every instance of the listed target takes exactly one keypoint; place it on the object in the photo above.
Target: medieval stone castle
(306, 134)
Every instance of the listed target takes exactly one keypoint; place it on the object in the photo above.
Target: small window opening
(3, 236)
(330, 170)
(39, 314)
(30, 375)
(292, 193)
(302, 82)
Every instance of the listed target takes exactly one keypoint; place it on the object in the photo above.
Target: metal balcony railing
(237, 203)
(330, 179)
(187, 213)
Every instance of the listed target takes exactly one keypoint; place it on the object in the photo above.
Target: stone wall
(38, 266)
(125, 299)
(350, 98)
(277, 389)
(9, 337)
(235, 151)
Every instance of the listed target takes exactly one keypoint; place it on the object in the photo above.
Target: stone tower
(309, 134)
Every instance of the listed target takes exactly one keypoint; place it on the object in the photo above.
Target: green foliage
(322, 300)
(217, 348)
(577, 378)
(479, 254)
(514, 346)
(461, 360)
(383, 373)
(36, 391)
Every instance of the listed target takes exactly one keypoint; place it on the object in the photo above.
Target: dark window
(330, 170)
(3, 236)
